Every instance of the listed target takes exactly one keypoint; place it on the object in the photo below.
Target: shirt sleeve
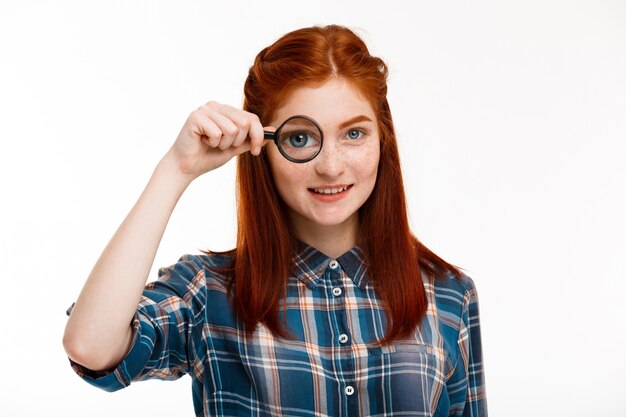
(162, 344)
(468, 382)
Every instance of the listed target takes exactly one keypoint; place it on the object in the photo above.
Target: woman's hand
(212, 135)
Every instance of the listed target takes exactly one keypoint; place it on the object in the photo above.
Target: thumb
(247, 147)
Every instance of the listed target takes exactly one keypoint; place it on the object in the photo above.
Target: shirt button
(333, 264)
(349, 390)
(337, 291)
(343, 338)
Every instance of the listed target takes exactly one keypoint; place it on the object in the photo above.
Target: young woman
(328, 305)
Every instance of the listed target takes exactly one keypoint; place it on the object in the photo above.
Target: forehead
(330, 103)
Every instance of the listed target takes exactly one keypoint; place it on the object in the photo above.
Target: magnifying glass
(299, 138)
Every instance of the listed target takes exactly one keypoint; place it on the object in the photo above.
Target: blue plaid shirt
(185, 324)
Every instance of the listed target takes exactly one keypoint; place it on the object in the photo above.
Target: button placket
(334, 274)
(337, 291)
(334, 266)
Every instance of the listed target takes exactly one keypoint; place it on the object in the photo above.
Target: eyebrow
(360, 118)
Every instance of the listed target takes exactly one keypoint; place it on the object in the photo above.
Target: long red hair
(263, 256)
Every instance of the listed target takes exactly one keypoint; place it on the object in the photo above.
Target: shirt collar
(309, 264)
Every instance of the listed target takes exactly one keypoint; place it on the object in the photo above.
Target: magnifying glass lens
(299, 139)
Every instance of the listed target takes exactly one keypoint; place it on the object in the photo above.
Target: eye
(354, 134)
(299, 139)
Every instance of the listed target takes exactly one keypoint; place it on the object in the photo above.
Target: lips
(330, 194)
(328, 191)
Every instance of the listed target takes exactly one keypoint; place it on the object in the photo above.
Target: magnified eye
(299, 139)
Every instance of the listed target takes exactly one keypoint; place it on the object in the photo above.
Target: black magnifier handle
(269, 135)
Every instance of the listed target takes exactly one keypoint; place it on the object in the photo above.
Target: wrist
(169, 168)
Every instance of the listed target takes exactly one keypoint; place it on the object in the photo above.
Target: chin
(328, 222)
(335, 219)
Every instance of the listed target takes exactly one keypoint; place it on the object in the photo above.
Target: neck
(333, 240)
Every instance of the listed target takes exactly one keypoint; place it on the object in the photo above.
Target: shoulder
(194, 263)
(188, 282)
(453, 285)
(200, 267)
(449, 284)
(451, 294)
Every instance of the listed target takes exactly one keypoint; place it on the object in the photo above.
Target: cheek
(283, 173)
(276, 162)
(369, 170)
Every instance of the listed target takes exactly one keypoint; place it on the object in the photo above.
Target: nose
(330, 161)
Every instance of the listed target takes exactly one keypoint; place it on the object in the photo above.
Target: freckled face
(329, 190)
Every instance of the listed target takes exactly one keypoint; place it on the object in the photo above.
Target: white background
(511, 118)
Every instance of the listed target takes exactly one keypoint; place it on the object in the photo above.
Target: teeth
(330, 190)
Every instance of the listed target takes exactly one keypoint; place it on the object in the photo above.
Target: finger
(228, 128)
(236, 150)
(255, 134)
(264, 141)
(257, 137)
(206, 129)
(245, 147)
(243, 119)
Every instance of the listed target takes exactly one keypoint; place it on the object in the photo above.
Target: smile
(330, 190)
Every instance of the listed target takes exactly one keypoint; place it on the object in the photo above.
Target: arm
(165, 328)
(466, 386)
(98, 333)
(470, 346)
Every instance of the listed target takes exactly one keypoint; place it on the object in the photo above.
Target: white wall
(511, 118)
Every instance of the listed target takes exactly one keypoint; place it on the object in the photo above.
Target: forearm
(98, 331)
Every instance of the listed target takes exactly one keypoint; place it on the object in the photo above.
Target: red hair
(263, 256)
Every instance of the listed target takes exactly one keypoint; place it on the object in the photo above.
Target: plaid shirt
(185, 324)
